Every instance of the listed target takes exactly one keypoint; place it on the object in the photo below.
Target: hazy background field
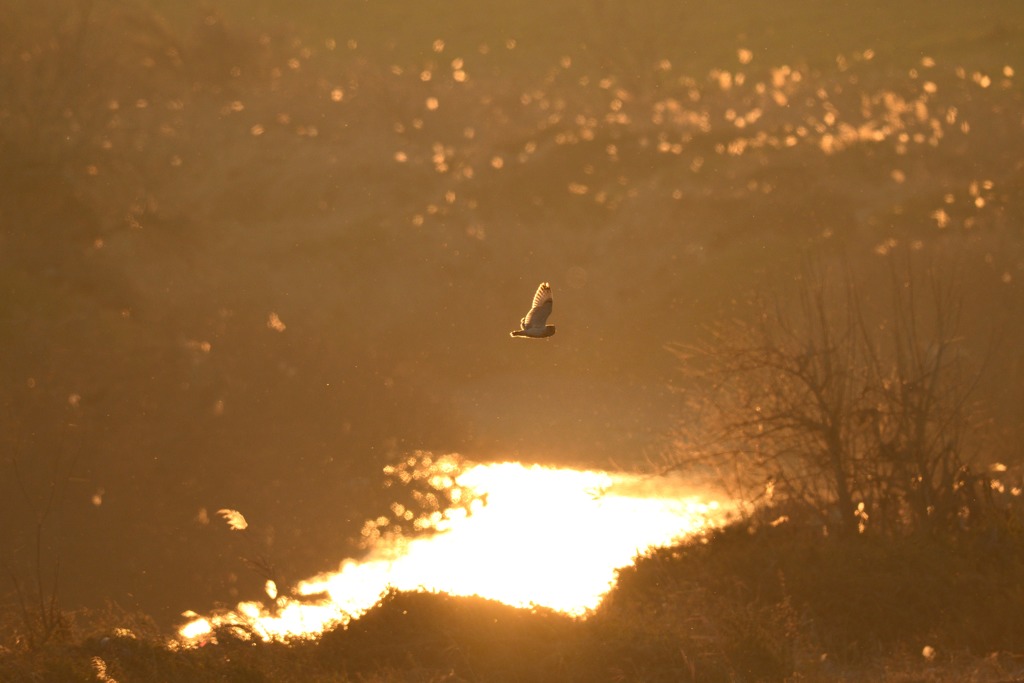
(251, 252)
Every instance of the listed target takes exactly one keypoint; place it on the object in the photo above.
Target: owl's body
(534, 324)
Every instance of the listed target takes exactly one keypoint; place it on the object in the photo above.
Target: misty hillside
(250, 255)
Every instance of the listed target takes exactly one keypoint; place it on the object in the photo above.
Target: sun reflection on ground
(532, 535)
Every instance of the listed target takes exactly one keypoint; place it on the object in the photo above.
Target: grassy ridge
(766, 605)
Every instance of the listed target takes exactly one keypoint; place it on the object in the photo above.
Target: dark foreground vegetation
(751, 602)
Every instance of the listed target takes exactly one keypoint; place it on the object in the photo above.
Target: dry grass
(771, 605)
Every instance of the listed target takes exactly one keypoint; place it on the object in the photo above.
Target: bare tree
(923, 426)
(837, 404)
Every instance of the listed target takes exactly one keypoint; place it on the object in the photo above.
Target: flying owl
(534, 324)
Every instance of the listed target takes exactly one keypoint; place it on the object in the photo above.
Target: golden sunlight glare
(531, 535)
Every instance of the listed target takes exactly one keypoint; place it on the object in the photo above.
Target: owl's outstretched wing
(543, 302)
(234, 518)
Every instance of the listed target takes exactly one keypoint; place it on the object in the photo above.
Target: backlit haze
(255, 255)
(523, 535)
